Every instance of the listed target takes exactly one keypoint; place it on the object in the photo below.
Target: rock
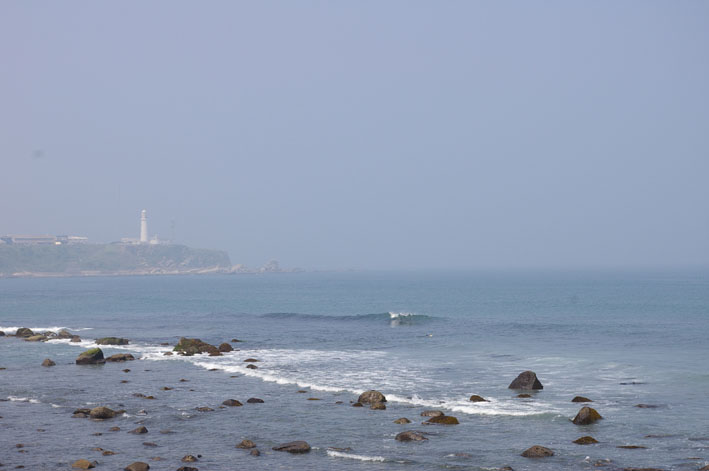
(476, 398)
(114, 429)
(150, 444)
(92, 356)
(24, 332)
(204, 409)
(252, 367)
(187, 468)
(2, 334)
(225, 347)
(585, 440)
(526, 380)
(254, 400)
(167, 354)
(581, 399)
(432, 413)
(357, 404)
(127, 370)
(246, 444)
(121, 357)
(112, 341)
(524, 396)
(139, 430)
(537, 452)
(402, 420)
(188, 347)
(251, 360)
(137, 466)
(293, 447)
(102, 413)
(84, 464)
(705, 468)
(232, 403)
(48, 362)
(64, 334)
(410, 436)
(75, 339)
(378, 406)
(314, 399)
(586, 416)
(36, 338)
(255, 452)
(234, 340)
(443, 420)
(188, 459)
(108, 453)
(632, 447)
(646, 406)
(370, 397)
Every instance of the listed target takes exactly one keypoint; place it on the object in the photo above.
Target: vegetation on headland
(107, 259)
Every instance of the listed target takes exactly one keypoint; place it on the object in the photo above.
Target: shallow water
(426, 340)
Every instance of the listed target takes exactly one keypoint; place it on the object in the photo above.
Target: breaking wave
(13, 329)
(391, 317)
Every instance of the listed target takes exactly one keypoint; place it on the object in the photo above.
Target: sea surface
(427, 340)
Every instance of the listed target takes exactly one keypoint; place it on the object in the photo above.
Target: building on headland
(144, 236)
(21, 239)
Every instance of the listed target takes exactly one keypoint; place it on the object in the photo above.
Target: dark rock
(293, 447)
(632, 447)
(36, 338)
(255, 452)
(251, 360)
(402, 420)
(108, 453)
(443, 420)
(232, 403)
(235, 340)
(127, 370)
(102, 413)
(84, 464)
(166, 388)
(204, 409)
(64, 334)
(150, 444)
(188, 346)
(2, 334)
(167, 354)
(586, 416)
(121, 357)
(370, 397)
(81, 413)
(410, 436)
(114, 429)
(524, 396)
(537, 452)
(92, 356)
(432, 413)
(526, 380)
(225, 347)
(705, 468)
(187, 468)
(75, 339)
(246, 444)
(137, 466)
(314, 399)
(24, 332)
(139, 430)
(254, 400)
(476, 398)
(581, 399)
(48, 362)
(585, 440)
(112, 341)
(357, 404)
(188, 459)
(252, 367)
(378, 406)
(646, 406)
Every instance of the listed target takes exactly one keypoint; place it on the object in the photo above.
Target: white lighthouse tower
(143, 227)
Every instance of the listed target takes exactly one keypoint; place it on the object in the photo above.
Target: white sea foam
(11, 330)
(23, 399)
(352, 456)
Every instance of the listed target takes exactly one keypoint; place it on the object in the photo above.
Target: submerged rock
(585, 440)
(443, 420)
(139, 430)
(581, 399)
(370, 397)
(232, 403)
(204, 409)
(121, 357)
(255, 452)
(48, 362)
(378, 406)
(137, 466)
(402, 420)
(84, 464)
(586, 416)
(92, 356)
(526, 380)
(112, 341)
(293, 447)
(524, 396)
(410, 436)
(75, 339)
(254, 400)
(357, 404)
(537, 452)
(246, 444)
(188, 459)
(102, 413)
(476, 398)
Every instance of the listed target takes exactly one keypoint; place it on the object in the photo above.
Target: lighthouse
(143, 227)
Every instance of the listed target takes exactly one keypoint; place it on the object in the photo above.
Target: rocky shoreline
(373, 400)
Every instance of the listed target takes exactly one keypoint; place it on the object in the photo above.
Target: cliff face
(98, 259)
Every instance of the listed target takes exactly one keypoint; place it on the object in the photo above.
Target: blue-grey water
(426, 340)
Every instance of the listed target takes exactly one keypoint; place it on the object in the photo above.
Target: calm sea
(426, 340)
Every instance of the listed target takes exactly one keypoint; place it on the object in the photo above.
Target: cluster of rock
(189, 347)
(30, 336)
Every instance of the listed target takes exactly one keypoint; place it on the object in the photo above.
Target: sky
(364, 134)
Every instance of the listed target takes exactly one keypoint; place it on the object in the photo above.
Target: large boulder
(293, 447)
(48, 362)
(587, 440)
(92, 356)
(246, 444)
(64, 334)
(443, 420)
(137, 466)
(24, 332)
(580, 399)
(410, 436)
(102, 413)
(75, 339)
(537, 452)
(232, 403)
(112, 341)
(402, 420)
(225, 347)
(526, 380)
(189, 347)
(120, 357)
(586, 416)
(476, 398)
(371, 397)
(139, 430)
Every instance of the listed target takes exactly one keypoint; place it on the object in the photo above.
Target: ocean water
(426, 340)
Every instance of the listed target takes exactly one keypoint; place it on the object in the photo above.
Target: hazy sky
(363, 134)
